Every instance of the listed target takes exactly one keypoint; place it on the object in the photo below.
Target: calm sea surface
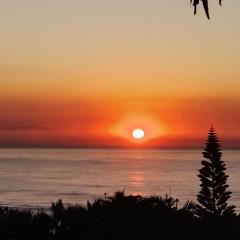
(36, 177)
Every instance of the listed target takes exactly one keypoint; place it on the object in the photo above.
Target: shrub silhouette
(214, 192)
(117, 217)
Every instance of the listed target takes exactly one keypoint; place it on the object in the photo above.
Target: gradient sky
(84, 73)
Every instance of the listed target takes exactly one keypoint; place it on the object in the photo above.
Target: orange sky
(84, 73)
(109, 122)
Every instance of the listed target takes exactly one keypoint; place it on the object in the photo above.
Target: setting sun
(138, 133)
(138, 128)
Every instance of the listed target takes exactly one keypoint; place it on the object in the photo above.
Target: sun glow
(138, 133)
(139, 129)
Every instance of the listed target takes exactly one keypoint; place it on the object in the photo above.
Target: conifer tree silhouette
(205, 6)
(214, 192)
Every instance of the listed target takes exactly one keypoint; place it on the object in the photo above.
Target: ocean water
(34, 178)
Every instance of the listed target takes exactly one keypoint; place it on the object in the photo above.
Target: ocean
(33, 178)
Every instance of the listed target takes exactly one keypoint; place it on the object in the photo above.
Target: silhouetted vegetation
(214, 191)
(205, 6)
(117, 217)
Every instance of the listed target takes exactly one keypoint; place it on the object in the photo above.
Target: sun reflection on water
(137, 179)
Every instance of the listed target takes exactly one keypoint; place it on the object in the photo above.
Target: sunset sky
(85, 73)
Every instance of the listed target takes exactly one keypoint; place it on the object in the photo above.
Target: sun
(138, 133)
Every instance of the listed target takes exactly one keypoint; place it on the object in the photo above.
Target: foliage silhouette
(214, 193)
(117, 217)
(205, 6)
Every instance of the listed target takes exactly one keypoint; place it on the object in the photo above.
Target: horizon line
(115, 147)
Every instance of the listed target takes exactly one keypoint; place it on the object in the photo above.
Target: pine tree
(214, 192)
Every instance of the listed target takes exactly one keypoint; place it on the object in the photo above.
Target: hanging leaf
(205, 6)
